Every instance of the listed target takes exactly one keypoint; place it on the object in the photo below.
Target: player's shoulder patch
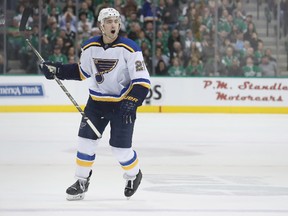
(94, 41)
(128, 44)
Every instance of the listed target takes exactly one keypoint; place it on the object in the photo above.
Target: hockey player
(119, 84)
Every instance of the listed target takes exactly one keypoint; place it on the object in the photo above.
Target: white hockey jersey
(112, 69)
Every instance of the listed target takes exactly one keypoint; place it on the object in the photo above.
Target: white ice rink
(193, 164)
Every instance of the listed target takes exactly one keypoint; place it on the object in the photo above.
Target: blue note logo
(104, 66)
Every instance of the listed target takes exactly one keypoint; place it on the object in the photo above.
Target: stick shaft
(92, 126)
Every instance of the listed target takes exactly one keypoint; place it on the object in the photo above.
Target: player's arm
(61, 71)
(140, 87)
(131, 102)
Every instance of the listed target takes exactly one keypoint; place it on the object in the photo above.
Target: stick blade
(25, 16)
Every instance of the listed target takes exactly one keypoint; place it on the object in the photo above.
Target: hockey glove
(50, 69)
(128, 109)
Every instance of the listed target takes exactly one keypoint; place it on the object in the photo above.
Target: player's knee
(87, 146)
(122, 154)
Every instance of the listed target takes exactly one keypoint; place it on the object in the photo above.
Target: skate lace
(82, 184)
(129, 180)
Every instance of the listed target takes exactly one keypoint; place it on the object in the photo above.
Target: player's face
(110, 29)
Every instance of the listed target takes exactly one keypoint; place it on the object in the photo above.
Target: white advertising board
(204, 92)
(219, 92)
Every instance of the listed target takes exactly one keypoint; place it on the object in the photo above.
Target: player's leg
(84, 161)
(87, 144)
(121, 144)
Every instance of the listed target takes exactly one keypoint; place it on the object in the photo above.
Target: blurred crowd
(192, 37)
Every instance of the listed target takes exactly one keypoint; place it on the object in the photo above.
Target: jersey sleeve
(137, 69)
(85, 64)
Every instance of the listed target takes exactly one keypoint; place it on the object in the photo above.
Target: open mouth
(113, 31)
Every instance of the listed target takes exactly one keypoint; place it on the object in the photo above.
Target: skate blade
(75, 197)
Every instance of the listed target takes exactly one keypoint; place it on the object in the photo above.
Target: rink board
(167, 94)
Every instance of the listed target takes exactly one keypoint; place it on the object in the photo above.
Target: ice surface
(192, 164)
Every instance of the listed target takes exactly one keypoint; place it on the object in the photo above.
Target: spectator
(268, 52)
(229, 57)
(161, 68)
(149, 31)
(188, 40)
(147, 12)
(14, 40)
(239, 12)
(239, 44)
(250, 69)
(243, 52)
(83, 22)
(259, 53)
(223, 47)
(53, 9)
(195, 67)
(195, 22)
(69, 4)
(132, 18)
(193, 51)
(207, 20)
(224, 6)
(235, 69)
(175, 36)
(54, 14)
(214, 67)
(95, 31)
(268, 67)
(233, 34)
(27, 58)
(162, 41)
(176, 69)
(208, 52)
(71, 55)
(58, 56)
(224, 24)
(68, 17)
(159, 56)
(177, 51)
(249, 53)
(86, 9)
(249, 20)
(249, 32)
(239, 22)
(130, 7)
(254, 41)
(159, 11)
(141, 38)
(170, 14)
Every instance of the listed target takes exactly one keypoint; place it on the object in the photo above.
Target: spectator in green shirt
(176, 69)
(57, 56)
(195, 67)
(250, 69)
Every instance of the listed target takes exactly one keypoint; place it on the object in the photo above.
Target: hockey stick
(66, 92)
(22, 27)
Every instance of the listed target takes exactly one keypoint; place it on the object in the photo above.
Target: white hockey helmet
(106, 13)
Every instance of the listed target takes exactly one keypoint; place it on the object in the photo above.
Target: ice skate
(78, 189)
(132, 184)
